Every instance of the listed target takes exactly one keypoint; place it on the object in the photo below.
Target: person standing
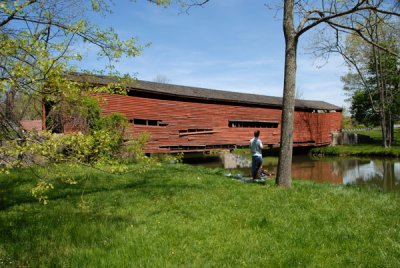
(256, 147)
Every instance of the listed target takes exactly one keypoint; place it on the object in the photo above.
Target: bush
(101, 148)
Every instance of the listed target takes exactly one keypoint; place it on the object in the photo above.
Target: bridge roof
(201, 93)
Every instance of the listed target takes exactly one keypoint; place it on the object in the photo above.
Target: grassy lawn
(376, 135)
(185, 216)
(374, 149)
(358, 150)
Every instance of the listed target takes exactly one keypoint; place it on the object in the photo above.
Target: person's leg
(253, 167)
(259, 164)
(258, 167)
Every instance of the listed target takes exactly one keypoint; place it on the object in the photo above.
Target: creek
(383, 174)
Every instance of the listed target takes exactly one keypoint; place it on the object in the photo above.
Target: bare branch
(328, 17)
(324, 18)
(196, 3)
(360, 34)
(12, 15)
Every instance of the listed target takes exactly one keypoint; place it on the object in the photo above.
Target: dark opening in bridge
(253, 124)
(148, 122)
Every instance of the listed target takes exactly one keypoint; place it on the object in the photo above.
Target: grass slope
(374, 149)
(184, 216)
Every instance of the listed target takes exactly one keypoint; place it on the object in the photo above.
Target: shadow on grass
(27, 225)
(16, 190)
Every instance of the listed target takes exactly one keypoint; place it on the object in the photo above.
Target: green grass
(376, 135)
(375, 149)
(185, 216)
(357, 150)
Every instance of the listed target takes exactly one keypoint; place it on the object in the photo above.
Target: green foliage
(37, 41)
(82, 110)
(349, 122)
(40, 191)
(58, 148)
(373, 81)
(362, 110)
(114, 122)
(100, 148)
(170, 158)
(133, 150)
(178, 215)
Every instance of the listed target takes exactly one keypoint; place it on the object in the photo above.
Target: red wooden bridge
(189, 119)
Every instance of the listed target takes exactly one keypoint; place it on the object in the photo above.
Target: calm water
(375, 173)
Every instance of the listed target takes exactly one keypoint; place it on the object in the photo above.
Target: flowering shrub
(102, 148)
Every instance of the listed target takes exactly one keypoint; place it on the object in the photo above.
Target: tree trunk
(384, 108)
(385, 114)
(284, 174)
(44, 127)
(10, 105)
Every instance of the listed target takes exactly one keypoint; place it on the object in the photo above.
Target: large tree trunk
(284, 174)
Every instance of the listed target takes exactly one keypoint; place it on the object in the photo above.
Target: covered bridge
(191, 119)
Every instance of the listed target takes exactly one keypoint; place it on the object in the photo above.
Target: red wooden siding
(184, 125)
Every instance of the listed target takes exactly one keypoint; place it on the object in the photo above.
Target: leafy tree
(362, 111)
(311, 15)
(39, 40)
(373, 79)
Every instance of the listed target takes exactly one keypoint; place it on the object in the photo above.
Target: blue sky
(234, 45)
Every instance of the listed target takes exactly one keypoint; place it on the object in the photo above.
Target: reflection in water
(382, 174)
(379, 174)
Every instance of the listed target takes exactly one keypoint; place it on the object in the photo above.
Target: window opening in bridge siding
(194, 130)
(304, 142)
(253, 124)
(148, 122)
(198, 147)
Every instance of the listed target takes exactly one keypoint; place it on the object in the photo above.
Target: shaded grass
(376, 135)
(178, 215)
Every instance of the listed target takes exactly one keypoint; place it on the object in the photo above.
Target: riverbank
(367, 150)
(180, 215)
(374, 149)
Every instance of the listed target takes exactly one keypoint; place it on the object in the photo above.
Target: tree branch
(17, 9)
(359, 33)
(360, 6)
(324, 18)
(196, 3)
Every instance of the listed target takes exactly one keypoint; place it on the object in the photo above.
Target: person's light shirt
(256, 147)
